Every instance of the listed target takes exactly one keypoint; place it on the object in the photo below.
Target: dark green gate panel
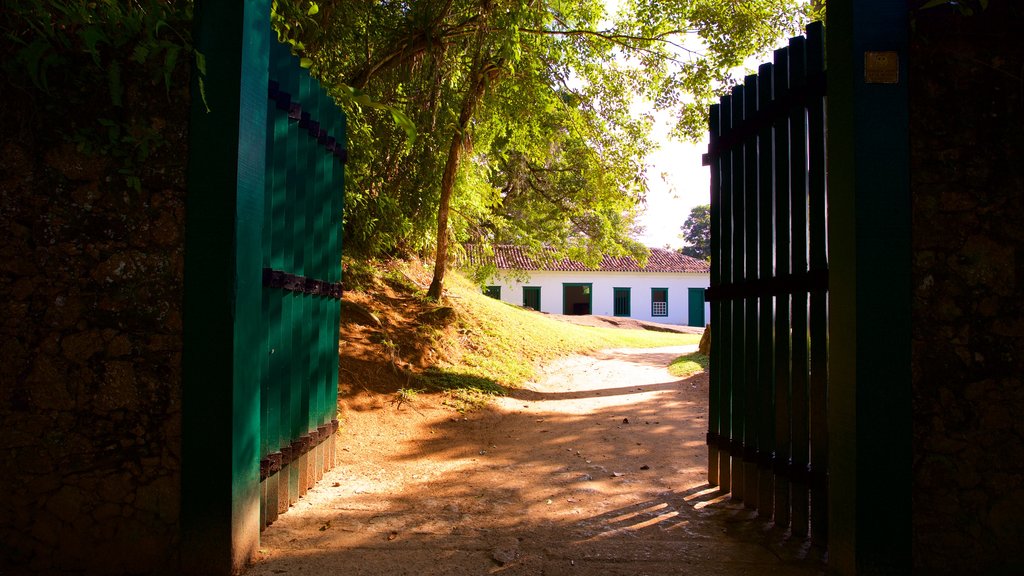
(301, 283)
(262, 286)
(767, 431)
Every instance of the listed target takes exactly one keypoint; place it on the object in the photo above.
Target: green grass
(688, 365)
(498, 345)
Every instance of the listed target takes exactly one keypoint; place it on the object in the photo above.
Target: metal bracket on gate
(275, 461)
(713, 439)
(810, 281)
(301, 284)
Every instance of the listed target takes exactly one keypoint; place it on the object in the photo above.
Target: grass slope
(395, 340)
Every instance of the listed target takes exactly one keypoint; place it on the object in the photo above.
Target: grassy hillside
(395, 340)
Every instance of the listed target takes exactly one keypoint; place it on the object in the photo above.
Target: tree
(521, 110)
(697, 233)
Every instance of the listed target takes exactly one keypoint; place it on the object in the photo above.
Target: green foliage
(688, 365)
(697, 232)
(552, 153)
(84, 55)
(405, 396)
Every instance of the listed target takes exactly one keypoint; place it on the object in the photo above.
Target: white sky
(685, 184)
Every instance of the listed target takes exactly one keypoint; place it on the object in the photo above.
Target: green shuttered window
(621, 301)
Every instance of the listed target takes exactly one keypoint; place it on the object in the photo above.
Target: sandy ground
(598, 468)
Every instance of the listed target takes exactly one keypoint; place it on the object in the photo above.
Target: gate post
(869, 410)
(220, 506)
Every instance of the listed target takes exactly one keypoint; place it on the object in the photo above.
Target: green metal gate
(767, 432)
(305, 152)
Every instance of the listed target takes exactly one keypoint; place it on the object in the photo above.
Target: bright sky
(677, 183)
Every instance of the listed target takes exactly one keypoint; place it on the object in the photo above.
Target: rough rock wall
(967, 145)
(90, 331)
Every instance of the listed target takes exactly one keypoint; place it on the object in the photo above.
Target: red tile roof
(509, 257)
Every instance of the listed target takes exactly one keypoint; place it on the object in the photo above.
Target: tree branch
(617, 38)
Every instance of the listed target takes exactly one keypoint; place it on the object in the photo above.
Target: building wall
(967, 145)
(90, 330)
(640, 285)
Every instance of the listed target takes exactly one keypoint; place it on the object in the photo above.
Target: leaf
(140, 54)
(37, 56)
(313, 9)
(201, 67)
(201, 62)
(91, 37)
(405, 123)
(170, 61)
(305, 62)
(114, 79)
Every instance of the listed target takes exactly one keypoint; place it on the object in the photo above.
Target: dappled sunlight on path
(596, 468)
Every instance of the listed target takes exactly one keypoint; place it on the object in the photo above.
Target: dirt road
(596, 469)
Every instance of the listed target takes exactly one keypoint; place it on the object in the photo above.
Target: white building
(669, 289)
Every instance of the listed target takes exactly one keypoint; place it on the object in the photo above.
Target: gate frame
(220, 498)
(869, 405)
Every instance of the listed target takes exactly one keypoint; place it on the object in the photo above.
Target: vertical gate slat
(739, 369)
(265, 304)
(312, 306)
(281, 259)
(751, 428)
(819, 265)
(336, 136)
(766, 389)
(726, 346)
(295, 208)
(324, 248)
(714, 362)
(320, 227)
(335, 276)
(783, 442)
(273, 258)
(303, 235)
(328, 337)
(798, 212)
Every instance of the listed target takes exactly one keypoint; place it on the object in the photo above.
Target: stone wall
(90, 326)
(967, 145)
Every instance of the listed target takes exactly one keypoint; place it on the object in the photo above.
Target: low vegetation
(397, 341)
(688, 365)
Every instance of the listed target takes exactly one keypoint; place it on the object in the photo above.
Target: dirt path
(596, 469)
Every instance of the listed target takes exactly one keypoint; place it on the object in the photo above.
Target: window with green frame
(659, 301)
(620, 298)
(531, 297)
(493, 292)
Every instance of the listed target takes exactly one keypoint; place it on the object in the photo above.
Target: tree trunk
(460, 142)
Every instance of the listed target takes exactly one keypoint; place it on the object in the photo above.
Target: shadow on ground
(582, 476)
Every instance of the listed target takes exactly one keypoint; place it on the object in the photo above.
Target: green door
(531, 297)
(696, 316)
